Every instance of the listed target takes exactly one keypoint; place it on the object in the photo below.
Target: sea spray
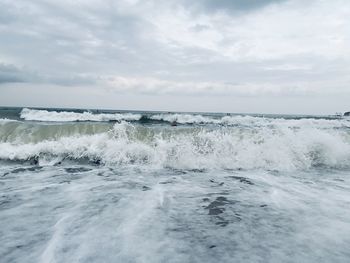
(276, 147)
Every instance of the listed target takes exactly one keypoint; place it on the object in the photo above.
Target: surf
(270, 147)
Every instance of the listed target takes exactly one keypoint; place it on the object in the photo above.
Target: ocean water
(107, 186)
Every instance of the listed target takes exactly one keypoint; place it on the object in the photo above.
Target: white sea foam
(184, 118)
(64, 116)
(251, 120)
(281, 148)
(229, 120)
(5, 120)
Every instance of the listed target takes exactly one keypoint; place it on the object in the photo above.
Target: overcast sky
(253, 56)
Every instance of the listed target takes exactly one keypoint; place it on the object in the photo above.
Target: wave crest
(182, 118)
(69, 116)
(267, 148)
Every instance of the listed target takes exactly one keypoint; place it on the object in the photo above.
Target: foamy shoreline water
(129, 187)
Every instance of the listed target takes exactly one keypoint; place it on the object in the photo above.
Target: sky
(242, 56)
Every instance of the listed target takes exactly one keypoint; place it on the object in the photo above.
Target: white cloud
(293, 28)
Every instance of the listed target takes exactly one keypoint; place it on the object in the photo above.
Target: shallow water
(255, 190)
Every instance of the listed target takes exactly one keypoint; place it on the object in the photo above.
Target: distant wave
(276, 147)
(69, 116)
(185, 119)
(239, 120)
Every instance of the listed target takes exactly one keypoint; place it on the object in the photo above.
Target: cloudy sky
(252, 56)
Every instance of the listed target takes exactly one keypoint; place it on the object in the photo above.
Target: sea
(81, 185)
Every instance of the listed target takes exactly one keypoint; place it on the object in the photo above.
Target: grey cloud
(232, 5)
(4, 78)
(10, 12)
(12, 74)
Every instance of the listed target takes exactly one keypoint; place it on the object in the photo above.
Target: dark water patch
(9, 201)
(222, 223)
(215, 210)
(166, 182)
(236, 218)
(18, 170)
(146, 188)
(241, 179)
(145, 119)
(217, 206)
(222, 199)
(68, 160)
(221, 212)
(57, 163)
(34, 160)
(77, 169)
(21, 170)
(179, 228)
(197, 170)
(225, 192)
(339, 180)
(34, 168)
(13, 162)
(308, 182)
(130, 185)
(218, 183)
(176, 171)
(65, 182)
(81, 160)
(114, 121)
(96, 162)
(110, 174)
(107, 176)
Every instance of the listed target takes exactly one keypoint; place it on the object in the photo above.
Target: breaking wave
(239, 120)
(269, 147)
(70, 116)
